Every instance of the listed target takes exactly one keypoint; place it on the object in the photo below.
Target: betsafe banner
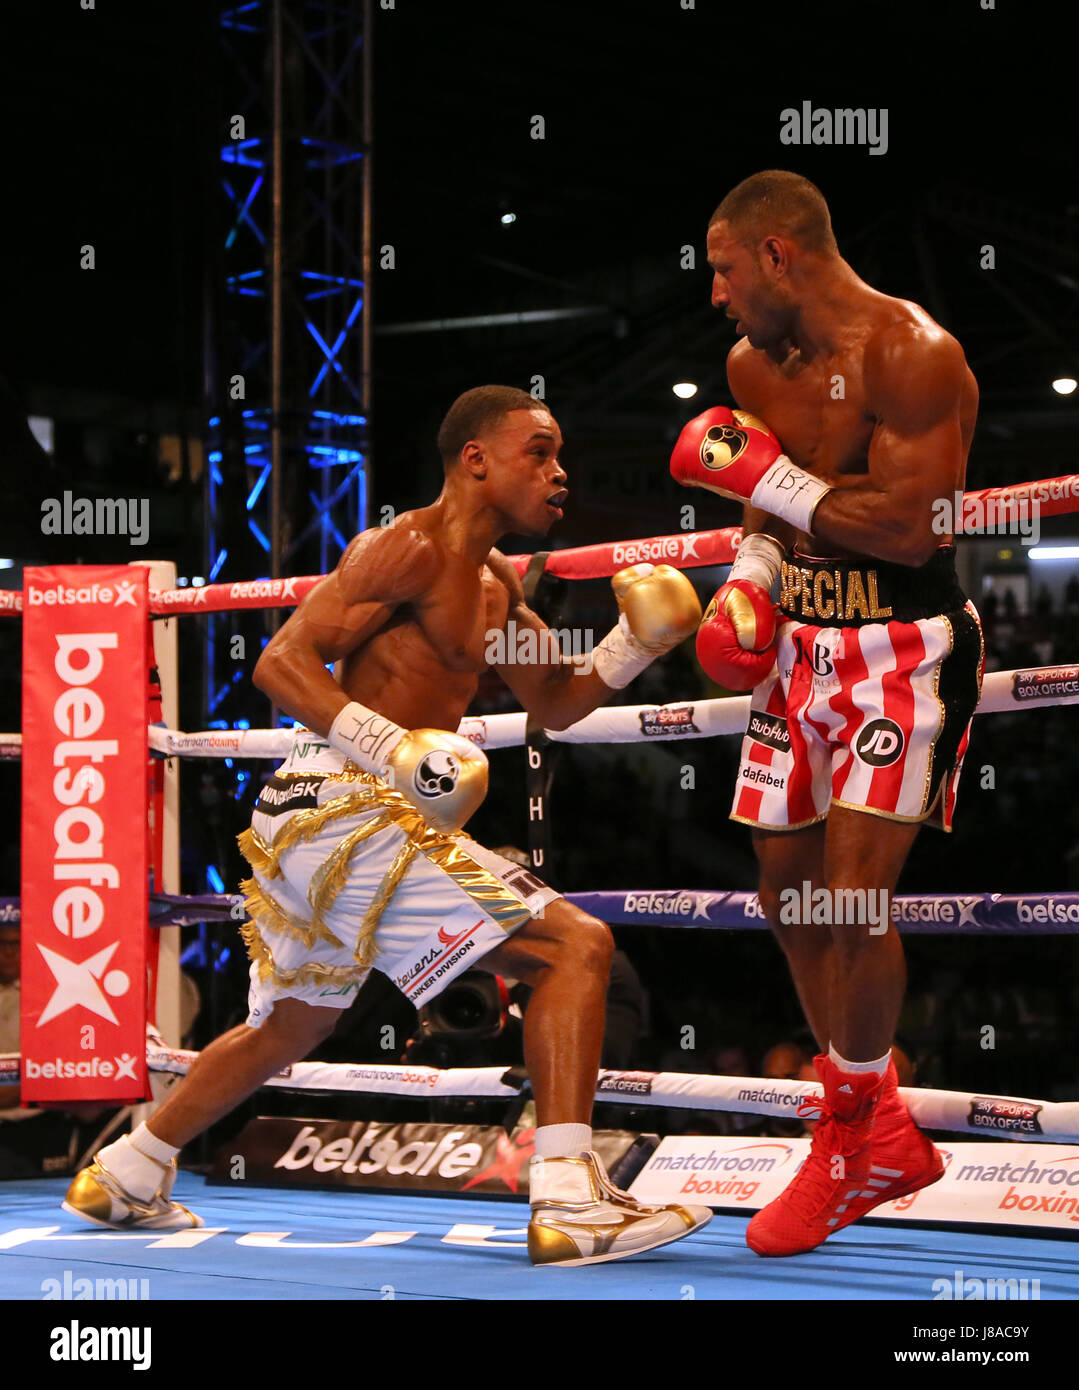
(85, 842)
(400, 1157)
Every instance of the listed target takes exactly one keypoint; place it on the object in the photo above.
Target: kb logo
(820, 658)
(879, 743)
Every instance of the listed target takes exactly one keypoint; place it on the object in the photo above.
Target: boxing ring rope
(1003, 692)
(1054, 1122)
(685, 550)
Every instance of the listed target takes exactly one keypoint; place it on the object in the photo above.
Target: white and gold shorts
(348, 877)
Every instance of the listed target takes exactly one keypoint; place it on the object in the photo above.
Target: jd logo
(879, 743)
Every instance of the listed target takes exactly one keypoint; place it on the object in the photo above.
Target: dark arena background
(249, 256)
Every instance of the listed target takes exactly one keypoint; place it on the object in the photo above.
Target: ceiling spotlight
(684, 390)
(507, 218)
(1065, 385)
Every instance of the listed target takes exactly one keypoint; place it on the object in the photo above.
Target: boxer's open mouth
(557, 500)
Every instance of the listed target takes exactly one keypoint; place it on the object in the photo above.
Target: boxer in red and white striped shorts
(871, 711)
(853, 420)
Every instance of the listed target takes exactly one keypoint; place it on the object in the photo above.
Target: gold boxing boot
(96, 1196)
(580, 1218)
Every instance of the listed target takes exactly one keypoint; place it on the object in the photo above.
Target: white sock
(153, 1147)
(563, 1141)
(131, 1161)
(878, 1068)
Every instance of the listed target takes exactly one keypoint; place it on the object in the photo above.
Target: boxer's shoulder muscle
(747, 371)
(914, 368)
(389, 564)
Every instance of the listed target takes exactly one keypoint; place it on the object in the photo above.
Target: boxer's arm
(758, 523)
(379, 570)
(745, 386)
(554, 691)
(914, 380)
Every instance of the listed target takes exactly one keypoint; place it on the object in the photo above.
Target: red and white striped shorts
(873, 717)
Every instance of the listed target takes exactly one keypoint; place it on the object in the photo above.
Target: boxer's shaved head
(478, 412)
(778, 203)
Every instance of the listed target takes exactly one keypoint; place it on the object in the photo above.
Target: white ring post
(163, 576)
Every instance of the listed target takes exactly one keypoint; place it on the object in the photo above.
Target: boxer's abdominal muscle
(399, 674)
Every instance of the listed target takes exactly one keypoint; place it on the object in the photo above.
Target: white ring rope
(1002, 692)
(967, 1112)
(1016, 1118)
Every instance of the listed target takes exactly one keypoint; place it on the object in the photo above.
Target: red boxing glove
(736, 641)
(735, 454)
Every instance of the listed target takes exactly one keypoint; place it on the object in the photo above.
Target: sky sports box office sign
(408, 1157)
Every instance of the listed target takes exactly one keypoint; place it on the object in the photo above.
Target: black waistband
(848, 593)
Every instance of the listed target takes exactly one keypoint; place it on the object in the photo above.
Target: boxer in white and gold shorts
(358, 857)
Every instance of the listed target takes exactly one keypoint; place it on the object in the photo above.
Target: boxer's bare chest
(818, 411)
(459, 612)
(422, 668)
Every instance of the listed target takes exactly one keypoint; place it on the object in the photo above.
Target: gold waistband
(843, 593)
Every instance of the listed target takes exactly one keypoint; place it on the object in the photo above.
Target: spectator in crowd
(786, 1061)
(726, 1058)
(9, 1004)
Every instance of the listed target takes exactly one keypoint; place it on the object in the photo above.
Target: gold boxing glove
(442, 774)
(658, 608)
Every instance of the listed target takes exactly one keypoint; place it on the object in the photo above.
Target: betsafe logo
(122, 592)
(79, 831)
(83, 984)
(121, 1066)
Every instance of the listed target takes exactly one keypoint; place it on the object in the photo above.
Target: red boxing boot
(901, 1159)
(818, 1199)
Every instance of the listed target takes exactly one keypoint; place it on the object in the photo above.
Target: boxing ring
(264, 1243)
(261, 1244)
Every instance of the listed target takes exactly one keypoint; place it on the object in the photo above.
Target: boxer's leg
(235, 1065)
(129, 1182)
(578, 1216)
(565, 957)
(863, 851)
(788, 859)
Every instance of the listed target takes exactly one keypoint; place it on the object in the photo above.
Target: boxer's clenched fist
(735, 454)
(658, 608)
(660, 604)
(736, 642)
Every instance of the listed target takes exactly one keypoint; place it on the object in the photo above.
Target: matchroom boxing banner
(85, 854)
